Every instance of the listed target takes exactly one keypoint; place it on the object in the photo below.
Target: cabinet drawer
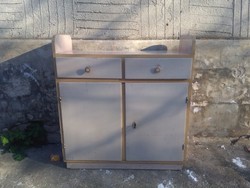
(158, 68)
(78, 67)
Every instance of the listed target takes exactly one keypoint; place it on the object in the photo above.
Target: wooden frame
(62, 47)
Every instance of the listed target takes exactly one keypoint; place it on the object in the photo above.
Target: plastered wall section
(124, 19)
(220, 101)
(221, 88)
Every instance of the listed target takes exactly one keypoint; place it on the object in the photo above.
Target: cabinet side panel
(159, 112)
(91, 118)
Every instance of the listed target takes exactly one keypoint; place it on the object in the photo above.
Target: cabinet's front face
(155, 121)
(123, 109)
(91, 120)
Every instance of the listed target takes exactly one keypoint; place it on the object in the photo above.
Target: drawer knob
(134, 125)
(87, 69)
(157, 69)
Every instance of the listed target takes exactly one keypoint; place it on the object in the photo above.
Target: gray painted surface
(159, 111)
(124, 19)
(91, 118)
(167, 68)
(98, 67)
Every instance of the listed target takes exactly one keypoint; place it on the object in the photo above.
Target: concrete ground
(211, 162)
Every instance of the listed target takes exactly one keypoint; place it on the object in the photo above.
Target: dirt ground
(211, 162)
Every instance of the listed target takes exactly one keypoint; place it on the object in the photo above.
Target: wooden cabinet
(123, 109)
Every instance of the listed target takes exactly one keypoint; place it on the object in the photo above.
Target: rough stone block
(220, 86)
(214, 120)
(27, 84)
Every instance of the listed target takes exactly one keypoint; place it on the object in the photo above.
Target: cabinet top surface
(64, 46)
(76, 53)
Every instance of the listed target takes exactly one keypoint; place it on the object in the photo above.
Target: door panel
(91, 118)
(155, 121)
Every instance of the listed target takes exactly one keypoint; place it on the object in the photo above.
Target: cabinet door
(155, 121)
(91, 120)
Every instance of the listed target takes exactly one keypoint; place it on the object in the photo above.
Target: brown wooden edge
(139, 55)
(123, 112)
(58, 98)
(124, 162)
(189, 103)
(121, 80)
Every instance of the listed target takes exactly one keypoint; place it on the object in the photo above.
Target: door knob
(87, 69)
(157, 69)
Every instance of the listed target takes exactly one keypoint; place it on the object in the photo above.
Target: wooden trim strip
(128, 162)
(123, 113)
(187, 127)
(120, 55)
(187, 119)
(60, 119)
(121, 80)
(154, 80)
(87, 80)
(127, 166)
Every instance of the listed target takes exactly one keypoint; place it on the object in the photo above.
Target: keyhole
(134, 125)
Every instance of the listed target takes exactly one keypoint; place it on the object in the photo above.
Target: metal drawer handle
(134, 125)
(87, 69)
(157, 69)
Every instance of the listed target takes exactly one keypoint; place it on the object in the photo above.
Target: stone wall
(220, 98)
(27, 85)
(221, 88)
(220, 102)
(124, 19)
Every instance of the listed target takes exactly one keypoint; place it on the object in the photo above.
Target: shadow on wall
(158, 20)
(117, 20)
(27, 85)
